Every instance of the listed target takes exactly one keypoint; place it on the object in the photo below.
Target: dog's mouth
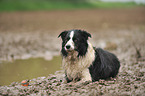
(70, 50)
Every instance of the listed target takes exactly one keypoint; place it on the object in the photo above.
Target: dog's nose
(67, 46)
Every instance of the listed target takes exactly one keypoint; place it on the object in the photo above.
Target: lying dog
(83, 62)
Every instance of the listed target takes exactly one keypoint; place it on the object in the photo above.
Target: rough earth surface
(34, 34)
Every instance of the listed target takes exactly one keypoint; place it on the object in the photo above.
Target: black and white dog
(83, 62)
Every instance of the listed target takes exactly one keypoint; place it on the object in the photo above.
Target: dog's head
(74, 40)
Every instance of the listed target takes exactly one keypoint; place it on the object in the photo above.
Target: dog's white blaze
(71, 34)
(70, 42)
(79, 67)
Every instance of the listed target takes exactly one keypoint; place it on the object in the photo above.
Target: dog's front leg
(86, 76)
(85, 79)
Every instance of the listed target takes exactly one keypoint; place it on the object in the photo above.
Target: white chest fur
(78, 67)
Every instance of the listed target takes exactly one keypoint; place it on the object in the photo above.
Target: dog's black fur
(104, 65)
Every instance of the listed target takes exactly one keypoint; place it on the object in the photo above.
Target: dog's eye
(75, 40)
(66, 39)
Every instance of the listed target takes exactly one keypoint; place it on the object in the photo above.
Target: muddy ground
(34, 34)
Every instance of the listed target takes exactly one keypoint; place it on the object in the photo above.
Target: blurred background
(29, 30)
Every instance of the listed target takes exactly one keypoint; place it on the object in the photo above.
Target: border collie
(83, 62)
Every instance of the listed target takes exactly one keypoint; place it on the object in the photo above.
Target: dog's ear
(86, 34)
(63, 34)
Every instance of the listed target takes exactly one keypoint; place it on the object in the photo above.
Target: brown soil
(56, 21)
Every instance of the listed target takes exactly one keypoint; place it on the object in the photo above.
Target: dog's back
(106, 65)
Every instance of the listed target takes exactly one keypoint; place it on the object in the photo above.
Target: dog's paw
(64, 82)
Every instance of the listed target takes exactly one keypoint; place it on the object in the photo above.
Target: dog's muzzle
(69, 48)
(70, 45)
